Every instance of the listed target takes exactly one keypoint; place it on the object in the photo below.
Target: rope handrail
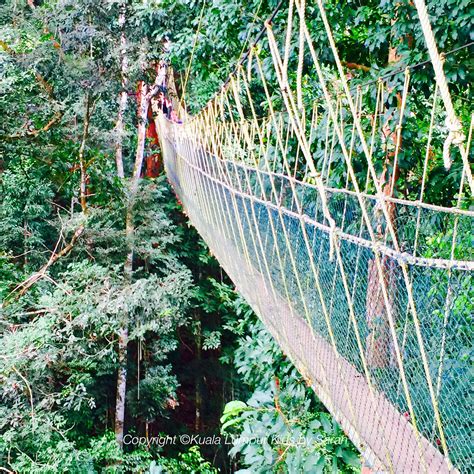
(390, 199)
(386, 250)
(191, 171)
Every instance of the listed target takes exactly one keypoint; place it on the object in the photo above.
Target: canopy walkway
(368, 292)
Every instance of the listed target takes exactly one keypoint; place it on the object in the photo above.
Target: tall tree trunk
(380, 348)
(198, 378)
(128, 268)
(143, 101)
(121, 385)
(144, 96)
(119, 127)
(82, 164)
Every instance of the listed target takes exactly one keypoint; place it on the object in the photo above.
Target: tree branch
(23, 287)
(35, 132)
(39, 78)
(361, 67)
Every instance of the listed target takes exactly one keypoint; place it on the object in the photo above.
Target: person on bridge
(174, 117)
(164, 103)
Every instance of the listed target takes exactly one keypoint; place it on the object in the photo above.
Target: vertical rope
(299, 70)
(289, 28)
(188, 70)
(453, 123)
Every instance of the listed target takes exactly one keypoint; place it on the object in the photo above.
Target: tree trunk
(119, 127)
(123, 332)
(143, 101)
(378, 344)
(128, 267)
(144, 95)
(198, 378)
(380, 349)
(121, 385)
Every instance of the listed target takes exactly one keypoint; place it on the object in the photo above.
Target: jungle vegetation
(115, 319)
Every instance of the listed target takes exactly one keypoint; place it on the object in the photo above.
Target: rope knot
(376, 247)
(455, 137)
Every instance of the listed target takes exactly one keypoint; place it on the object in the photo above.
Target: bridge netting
(367, 288)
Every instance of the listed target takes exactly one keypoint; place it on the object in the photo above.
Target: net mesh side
(251, 222)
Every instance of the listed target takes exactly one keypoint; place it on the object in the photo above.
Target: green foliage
(150, 399)
(189, 462)
(65, 349)
(9, 274)
(24, 211)
(103, 455)
(109, 458)
(282, 427)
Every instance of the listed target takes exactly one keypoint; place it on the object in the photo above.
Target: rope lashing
(455, 137)
(453, 124)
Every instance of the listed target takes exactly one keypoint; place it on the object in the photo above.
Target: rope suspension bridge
(369, 293)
